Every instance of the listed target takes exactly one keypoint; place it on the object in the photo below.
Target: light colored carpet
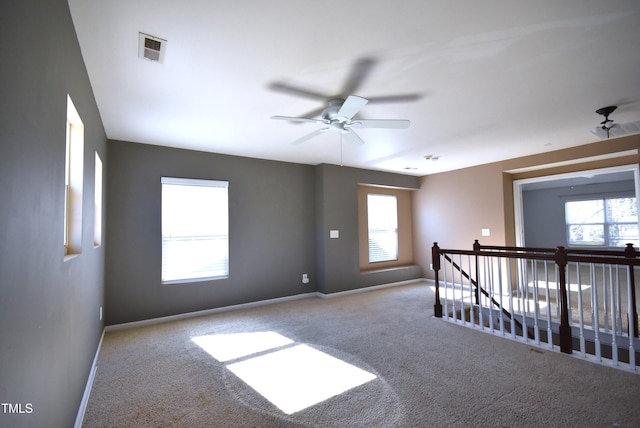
(429, 372)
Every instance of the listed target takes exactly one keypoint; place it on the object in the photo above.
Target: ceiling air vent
(151, 47)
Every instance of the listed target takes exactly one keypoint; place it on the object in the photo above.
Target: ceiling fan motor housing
(331, 112)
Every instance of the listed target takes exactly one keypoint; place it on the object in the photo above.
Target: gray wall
(543, 210)
(280, 216)
(49, 308)
(271, 227)
(337, 202)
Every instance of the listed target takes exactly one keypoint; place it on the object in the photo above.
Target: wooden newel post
(630, 252)
(476, 290)
(435, 259)
(566, 341)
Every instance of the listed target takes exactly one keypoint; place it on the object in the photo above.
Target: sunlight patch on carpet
(226, 347)
(299, 377)
(291, 376)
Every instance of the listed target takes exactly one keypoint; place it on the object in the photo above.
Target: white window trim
(606, 224)
(74, 182)
(371, 257)
(194, 183)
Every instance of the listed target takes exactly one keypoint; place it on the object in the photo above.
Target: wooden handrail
(561, 256)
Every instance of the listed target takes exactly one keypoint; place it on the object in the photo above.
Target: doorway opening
(540, 205)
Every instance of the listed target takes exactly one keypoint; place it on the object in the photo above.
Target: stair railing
(572, 299)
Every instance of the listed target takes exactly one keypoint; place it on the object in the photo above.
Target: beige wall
(452, 208)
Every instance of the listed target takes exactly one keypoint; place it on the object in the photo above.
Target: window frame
(168, 276)
(391, 228)
(73, 182)
(606, 222)
(97, 201)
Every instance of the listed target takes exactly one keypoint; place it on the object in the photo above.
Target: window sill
(386, 269)
(68, 257)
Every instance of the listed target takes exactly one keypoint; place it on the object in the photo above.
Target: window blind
(195, 229)
(382, 214)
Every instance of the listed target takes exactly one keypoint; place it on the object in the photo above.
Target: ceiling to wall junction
(493, 80)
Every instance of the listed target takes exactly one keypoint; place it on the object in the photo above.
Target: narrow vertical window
(73, 181)
(382, 216)
(97, 203)
(195, 230)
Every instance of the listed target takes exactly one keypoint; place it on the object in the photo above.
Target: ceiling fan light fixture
(607, 123)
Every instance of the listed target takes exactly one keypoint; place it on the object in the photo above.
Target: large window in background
(382, 215)
(195, 230)
(73, 181)
(604, 222)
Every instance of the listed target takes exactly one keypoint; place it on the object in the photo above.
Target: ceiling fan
(339, 116)
(607, 124)
(358, 74)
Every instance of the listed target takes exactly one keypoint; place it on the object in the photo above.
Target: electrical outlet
(100, 313)
(305, 278)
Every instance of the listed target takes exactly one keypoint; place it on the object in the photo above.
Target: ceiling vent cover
(151, 47)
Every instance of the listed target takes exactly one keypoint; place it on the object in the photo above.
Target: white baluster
(513, 317)
(580, 310)
(548, 297)
(471, 303)
(443, 265)
(614, 333)
(594, 311)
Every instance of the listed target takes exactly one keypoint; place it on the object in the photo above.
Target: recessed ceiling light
(410, 167)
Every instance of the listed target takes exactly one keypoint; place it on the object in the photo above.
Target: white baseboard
(371, 288)
(89, 386)
(159, 320)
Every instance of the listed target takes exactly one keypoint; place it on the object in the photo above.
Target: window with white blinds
(605, 222)
(382, 215)
(195, 230)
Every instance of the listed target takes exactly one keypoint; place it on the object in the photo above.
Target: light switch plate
(486, 232)
(334, 234)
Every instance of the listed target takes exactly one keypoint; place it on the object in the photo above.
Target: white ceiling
(497, 79)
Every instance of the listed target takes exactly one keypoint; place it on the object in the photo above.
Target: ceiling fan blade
(310, 136)
(295, 90)
(395, 98)
(298, 119)
(359, 73)
(381, 123)
(351, 137)
(351, 106)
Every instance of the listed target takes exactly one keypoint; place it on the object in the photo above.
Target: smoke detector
(151, 47)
